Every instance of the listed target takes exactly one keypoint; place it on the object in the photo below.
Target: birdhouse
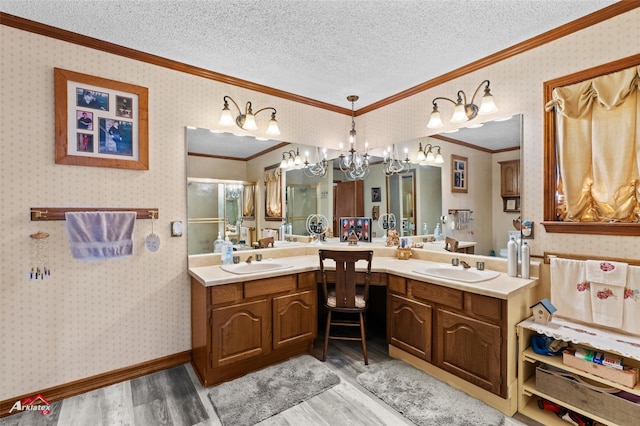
(542, 311)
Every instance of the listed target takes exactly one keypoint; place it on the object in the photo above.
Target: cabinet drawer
(269, 286)
(484, 306)
(397, 284)
(307, 280)
(436, 293)
(226, 293)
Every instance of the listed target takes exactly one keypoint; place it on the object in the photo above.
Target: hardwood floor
(175, 397)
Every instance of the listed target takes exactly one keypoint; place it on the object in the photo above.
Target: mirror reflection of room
(417, 197)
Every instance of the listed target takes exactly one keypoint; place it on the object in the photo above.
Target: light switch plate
(176, 228)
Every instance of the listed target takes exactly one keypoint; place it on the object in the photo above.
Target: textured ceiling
(323, 50)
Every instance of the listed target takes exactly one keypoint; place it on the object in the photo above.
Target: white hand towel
(631, 310)
(570, 290)
(602, 271)
(607, 280)
(100, 235)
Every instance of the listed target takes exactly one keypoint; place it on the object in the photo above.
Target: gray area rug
(425, 400)
(265, 393)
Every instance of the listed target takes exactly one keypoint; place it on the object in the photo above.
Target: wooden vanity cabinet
(244, 326)
(456, 331)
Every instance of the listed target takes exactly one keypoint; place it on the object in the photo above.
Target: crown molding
(93, 43)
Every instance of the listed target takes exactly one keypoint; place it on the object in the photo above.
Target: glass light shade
(298, 160)
(250, 122)
(439, 159)
(421, 157)
(459, 114)
(226, 119)
(435, 122)
(487, 106)
(283, 163)
(290, 161)
(273, 128)
(430, 157)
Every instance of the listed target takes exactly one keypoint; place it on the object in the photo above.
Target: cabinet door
(239, 332)
(470, 349)
(348, 201)
(510, 178)
(409, 326)
(294, 318)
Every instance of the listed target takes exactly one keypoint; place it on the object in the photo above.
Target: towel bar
(57, 213)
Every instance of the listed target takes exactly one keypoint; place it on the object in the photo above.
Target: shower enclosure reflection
(215, 207)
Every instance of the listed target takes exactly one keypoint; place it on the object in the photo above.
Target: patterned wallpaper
(90, 318)
(516, 85)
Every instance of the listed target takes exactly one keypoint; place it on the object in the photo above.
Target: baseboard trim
(56, 393)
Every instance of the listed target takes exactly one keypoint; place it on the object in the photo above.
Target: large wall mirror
(421, 196)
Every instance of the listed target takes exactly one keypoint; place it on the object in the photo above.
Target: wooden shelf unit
(528, 393)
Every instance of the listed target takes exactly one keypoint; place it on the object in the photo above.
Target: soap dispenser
(227, 252)
(437, 232)
(217, 244)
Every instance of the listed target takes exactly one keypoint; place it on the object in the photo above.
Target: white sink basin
(254, 267)
(457, 273)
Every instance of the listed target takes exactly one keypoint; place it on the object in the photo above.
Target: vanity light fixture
(464, 111)
(247, 121)
(319, 168)
(391, 163)
(426, 155)
(291, 159)
(354, 165)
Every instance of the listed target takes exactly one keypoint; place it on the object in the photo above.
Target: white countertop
(305, 259)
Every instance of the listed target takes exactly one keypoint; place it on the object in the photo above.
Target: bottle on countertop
(437, 232)
(525, 259)
(512, 258)
(217, 244)
(227, 252)
(425, 230)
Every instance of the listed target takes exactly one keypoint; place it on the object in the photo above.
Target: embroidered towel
(631, 310)
(570, 290)
(607, 280)
(100, 235)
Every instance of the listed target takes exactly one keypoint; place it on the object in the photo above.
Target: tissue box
(627, 377)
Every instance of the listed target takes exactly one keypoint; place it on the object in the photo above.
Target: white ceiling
(323, 50)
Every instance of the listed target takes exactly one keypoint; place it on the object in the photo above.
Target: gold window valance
(597, 134)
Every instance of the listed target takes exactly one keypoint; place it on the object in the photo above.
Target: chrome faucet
(465, 265)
